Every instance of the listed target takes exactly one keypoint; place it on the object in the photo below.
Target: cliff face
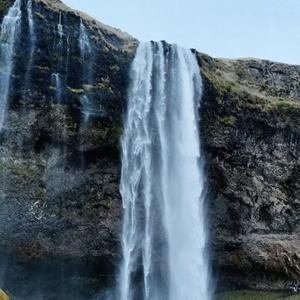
(60, 204)
(250, 122)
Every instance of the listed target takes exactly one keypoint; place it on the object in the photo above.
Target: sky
(267, 29)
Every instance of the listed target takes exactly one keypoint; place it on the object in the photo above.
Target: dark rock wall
(59, 179)
(60, 203)
(250, 123)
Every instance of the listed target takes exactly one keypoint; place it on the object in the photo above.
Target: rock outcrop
(60, 205)
(250, 121)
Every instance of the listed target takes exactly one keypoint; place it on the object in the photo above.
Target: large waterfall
(162, 182)
(10, 28)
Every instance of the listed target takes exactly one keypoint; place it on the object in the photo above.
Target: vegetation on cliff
(250, 123)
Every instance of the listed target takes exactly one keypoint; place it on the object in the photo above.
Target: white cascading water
(57, 77)
(31, 22)
(10, 29)
(86, 76)
(162, 181)
(32, 41)
(60, 28)
(84, 42)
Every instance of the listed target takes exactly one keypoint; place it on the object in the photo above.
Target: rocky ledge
(250, 122)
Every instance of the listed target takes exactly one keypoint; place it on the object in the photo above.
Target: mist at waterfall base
(162, 181)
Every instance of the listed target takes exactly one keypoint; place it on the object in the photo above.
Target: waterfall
(58, 87)
(87, 74)
(30, 21)
(62, 66)
(10, 29)
(60, 29)
(32, 41)
(162, 180)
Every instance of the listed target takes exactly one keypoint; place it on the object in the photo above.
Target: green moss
(263, 85)
(3, 7)
(3, 166)
(228, 121)
(88, 87)
(115, 134)
(102, 133)
(244, 98)
(114, 68)
(39, 15)
(76, 91)
(42, 68)
(285, 104)
(245, 95)
(40, 193)
(105, 49)
(277, 105)
(104, 84)
(24, 171)
(255, 295)
(221, 85)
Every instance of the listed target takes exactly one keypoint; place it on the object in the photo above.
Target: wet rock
(59, 174)
(252, 166)
(60, 207)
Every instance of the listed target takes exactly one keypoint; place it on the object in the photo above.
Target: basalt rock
(60, 205)
(250, 123)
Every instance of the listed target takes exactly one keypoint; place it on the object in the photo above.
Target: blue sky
(222, 28)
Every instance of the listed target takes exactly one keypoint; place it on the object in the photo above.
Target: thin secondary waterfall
(60, 28)
(32, 44)
(87, 74)
(162, 182)
(31, 21)
(84, 42)
(10, 29)
(56, 77)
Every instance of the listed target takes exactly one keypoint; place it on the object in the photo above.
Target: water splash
(10, 29)
(162, 182)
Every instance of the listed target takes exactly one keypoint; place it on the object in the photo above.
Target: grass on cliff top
(256, 295)
(244, 96)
